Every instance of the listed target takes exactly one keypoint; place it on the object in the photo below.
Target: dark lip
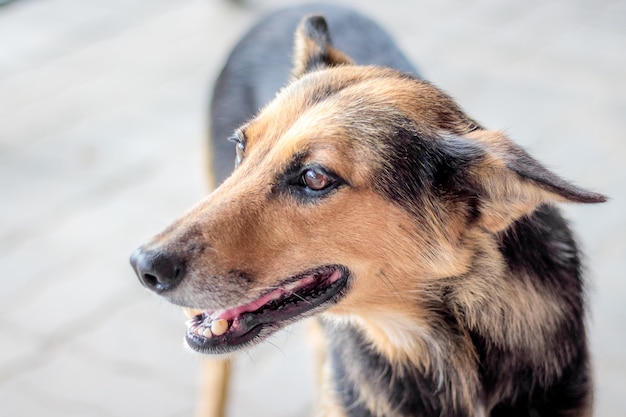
(250, 327)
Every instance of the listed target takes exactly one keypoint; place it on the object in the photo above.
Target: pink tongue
(260, 302)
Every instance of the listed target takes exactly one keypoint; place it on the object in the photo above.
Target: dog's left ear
(313, 48)
(508, 182)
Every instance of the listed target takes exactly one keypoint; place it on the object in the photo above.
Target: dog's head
(355, 184)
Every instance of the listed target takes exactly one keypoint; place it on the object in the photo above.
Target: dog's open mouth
(224, 331)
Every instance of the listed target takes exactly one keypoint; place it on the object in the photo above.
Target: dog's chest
(369, 385)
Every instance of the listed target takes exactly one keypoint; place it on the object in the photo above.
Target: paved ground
(102, 109)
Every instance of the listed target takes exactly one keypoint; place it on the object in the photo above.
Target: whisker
(392, 288)
(265, 288)
(302, 298)
(277, 347)
(250, 357)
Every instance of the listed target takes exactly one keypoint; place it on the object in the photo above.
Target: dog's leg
(213, 387)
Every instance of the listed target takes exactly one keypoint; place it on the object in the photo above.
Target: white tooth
(207, 333)
(219, 327)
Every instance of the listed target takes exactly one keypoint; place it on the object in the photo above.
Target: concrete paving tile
(45, 31)
(50, 310)
(128, 336)
(16, 347)
(609, 388)
(21, 400)
(117, 389)
(103, 76)
(275, 379)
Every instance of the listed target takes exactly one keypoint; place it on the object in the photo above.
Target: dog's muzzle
(157, 270)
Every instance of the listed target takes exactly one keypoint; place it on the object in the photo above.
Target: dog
(444, 279)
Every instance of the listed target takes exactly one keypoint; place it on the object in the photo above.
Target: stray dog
(445, 281)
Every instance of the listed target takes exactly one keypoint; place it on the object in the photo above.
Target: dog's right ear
(313, 48)
(506, 180)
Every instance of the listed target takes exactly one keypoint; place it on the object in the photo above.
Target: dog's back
(261, 63)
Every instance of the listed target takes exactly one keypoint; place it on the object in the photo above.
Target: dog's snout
(157, 270)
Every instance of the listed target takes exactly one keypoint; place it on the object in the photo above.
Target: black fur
(357, 366)
(542, 248)
(316, 28)
(418, 165)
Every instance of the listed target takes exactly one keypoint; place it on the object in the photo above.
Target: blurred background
(103, 108)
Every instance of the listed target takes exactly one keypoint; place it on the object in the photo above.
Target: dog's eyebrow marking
(290, 169)
(238, 136)
(293, 166)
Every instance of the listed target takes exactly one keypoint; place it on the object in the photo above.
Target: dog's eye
(315, 179)
(239, 148)
(309, 183)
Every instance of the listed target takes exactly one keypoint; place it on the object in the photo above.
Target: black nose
(157, 270)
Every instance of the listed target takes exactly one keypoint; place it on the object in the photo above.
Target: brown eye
(239, 148)
(310, 183)
(315, 179)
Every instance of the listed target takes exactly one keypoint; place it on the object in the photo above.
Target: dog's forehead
(329, 104)
(310, 100)
(354, 101)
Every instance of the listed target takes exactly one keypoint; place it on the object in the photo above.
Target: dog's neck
(414, 355)
(435, 347)
(370, 383)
